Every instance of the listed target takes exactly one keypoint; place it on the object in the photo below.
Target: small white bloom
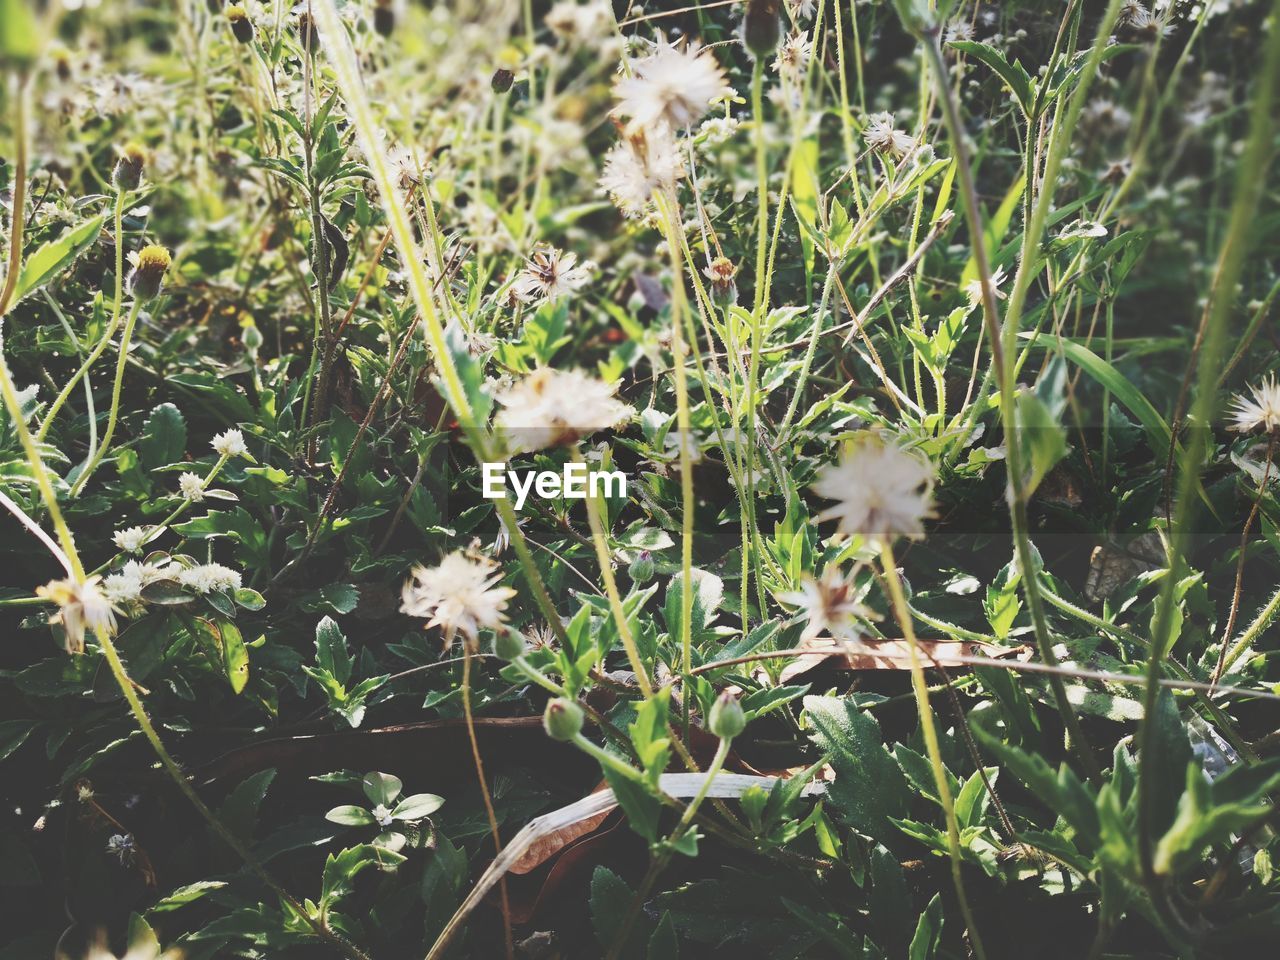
(801, 9)
(125, 586)
(793, 56)
(959, 30)
(122, 847)
(209, 577)
(191, 487)
(882, 136)
(551, 408)
(81, 607)
(132, 539)
(829, 603)
(1262, 410)
(382, 815)
(644, 163)
(673, 85)
(881, 491)
(973, 289)
(459, 595)
(718, 130)
(230, 444)
(549, 274)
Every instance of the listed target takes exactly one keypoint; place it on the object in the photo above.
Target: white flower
(801, 9)
(230, 444)
(673, 85)
(459, 595)
(551, 408)
(881, 491)
(132, 539)
(579, 22)
(644, 163)
(973, 289)
(191, 486)
(382, 815)
(958, 30)
(122, 847)
(549, 275)
(1260, 410)
(718, 130)
(209, 577)
(881, 136)
(125, 586)
(404, 165)
(793, 56)
(828, 603)
(81, 606)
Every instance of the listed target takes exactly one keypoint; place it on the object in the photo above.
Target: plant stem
(899, 600)
(19, 211)
(114, 413)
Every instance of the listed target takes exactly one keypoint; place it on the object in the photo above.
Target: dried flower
(829, 603)
(674, 85)
(230, 444)
(973, 289)
(881, 136)
(881, 491)
(550, 274)
(459, 595)
(552, 408)
(81, 606)
(1262, 410)
(149, 267)
(793, 56)
(644, 163)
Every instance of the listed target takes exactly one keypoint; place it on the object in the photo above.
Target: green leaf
(164, 438)
(48, 261)
(642, 808)
(381, 788)
(19, 35)
(13, 733)
(239, 812)
(664, 945)
(350, 815)
(1013, 74)
(331, 650)
(235, 655)
(610, 899)
(1041, 436)
(417, 806)
(928, 931)
(708, 591)
(1167, 766)
(869, 787)
(338, 598)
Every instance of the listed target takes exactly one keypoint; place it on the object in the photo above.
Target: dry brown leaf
(892, 654)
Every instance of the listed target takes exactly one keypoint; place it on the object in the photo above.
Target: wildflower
(550, 274)
(191, 487)
(673, 85)
(308, 30)
(459, 595)
(801, 9)
(122, 846)
(882, 137)
(645, 163)
(793, 56)
(562, 719)
(81, 606)
(241, 25)
(1133, 13)
(718, 130)
(132, 539)
(1260, 410)
(127, 174)
(230, 444)
(149, 267)
(881, 491)
(404, 165)
(125, 586)
(828, 603)
(578, 22)
(84, 791)
(761, 27)
(551, 408)
(724, 288)
(209, 577)
(973, 289)
(958, 31)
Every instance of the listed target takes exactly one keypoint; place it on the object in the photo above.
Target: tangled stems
(114, 413)
(899, 600)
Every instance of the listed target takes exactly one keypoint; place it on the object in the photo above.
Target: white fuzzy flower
(191, 487)
(132, 539)
(230, 444)
(801, 9)
(125, 586)
(551, 408)
(1262, 410)
(643, 164)
(81, 607)
(718, 130)
(793, 56)
(830, 604)
(673, 85)
(209, 577)
(882, 136)
(459, 595)
(973, 289)
(550, 274)
(881, 491)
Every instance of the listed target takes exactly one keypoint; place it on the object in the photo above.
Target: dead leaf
(892, 654)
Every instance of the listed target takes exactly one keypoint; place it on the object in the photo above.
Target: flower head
(209, 577)
(882, 136)
(793, 56)
(81, 606)
(549, 275)
(132, 539)
(1261, 410)
(149, 267)
(644, 163)
(127, 174)
(553, 408)
(241, 25)
(230, 444)
(881, 491)
(973, 289)
(459, 595)
(674, 85)
(191, 487)
(829, 603)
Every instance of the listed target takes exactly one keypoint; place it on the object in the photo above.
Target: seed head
(149, 267)
(724, 288)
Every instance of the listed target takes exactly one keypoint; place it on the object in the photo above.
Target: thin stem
(114, 413)
(899, 600)
(19, 212)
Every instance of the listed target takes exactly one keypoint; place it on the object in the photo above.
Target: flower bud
(724, 289)
(508, 645)
(642, 567)
(727, 718)
(149, 267)
(502, 80)
(308, 33)
(215, 6)
(241, 25)
(562, 719)
(127, 174)
(384, 17)
(250, 336)
(761, 27)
